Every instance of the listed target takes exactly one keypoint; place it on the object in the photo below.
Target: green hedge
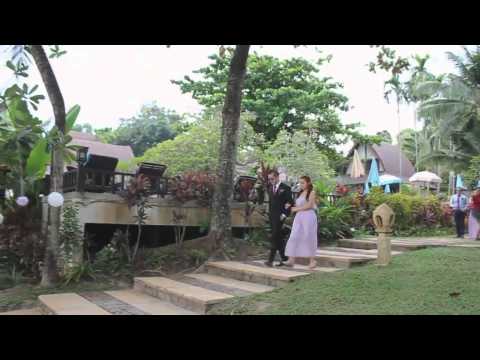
(412, 211)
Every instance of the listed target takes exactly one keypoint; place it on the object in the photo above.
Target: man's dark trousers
(460, 222)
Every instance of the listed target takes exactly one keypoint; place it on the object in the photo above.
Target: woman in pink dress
(303, 238)
(474, 217)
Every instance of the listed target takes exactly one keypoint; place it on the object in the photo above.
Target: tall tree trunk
(400, 152)
(416, 137)
(221, 225)
(50, 272)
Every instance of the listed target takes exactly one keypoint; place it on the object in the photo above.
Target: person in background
(303, 241)
(459, 204)
(474, 217)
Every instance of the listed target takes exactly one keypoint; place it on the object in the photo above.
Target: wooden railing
(98, 181)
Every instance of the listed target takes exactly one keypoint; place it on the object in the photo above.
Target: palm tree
(396, 88)
(453, 105)
(418, 74)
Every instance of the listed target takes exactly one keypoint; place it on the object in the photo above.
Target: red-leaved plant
(136, 195)
(191, 186)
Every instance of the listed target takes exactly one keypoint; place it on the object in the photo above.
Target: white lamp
(22, 201)
(55, 199)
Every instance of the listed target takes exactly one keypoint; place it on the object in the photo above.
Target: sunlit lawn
(432, 281)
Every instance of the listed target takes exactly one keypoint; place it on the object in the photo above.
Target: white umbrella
(425, 176)
(387, 179)
(357, 166)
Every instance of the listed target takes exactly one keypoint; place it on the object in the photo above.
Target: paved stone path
(113, 305)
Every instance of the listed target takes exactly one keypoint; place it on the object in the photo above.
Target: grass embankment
(431, 281)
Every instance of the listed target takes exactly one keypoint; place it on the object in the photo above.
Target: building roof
(389, 156)
(96, 147)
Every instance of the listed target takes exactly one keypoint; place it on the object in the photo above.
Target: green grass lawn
(432, 281)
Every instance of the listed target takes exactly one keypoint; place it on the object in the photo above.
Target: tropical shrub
(323, 188)
(71, 240)
(334, 221)
(136, 195)
(21, 240)
(79, 272)
(413, 212)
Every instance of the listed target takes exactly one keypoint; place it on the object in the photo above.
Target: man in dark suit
(279, 194)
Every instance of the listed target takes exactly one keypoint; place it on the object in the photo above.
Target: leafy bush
(77, 273)
(473, 173)
(110, 261)
(197, 256)
(335, 221)
(71, 241)
(21, 241)
(257, 237)
(413, 212)
(323, 188)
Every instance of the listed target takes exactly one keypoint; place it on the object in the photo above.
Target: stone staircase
(196, 293)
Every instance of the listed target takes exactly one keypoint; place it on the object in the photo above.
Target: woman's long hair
(309, 185)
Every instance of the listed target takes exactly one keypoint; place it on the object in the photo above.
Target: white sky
(112, 82)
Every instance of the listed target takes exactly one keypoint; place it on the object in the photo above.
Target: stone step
(372, 244)
(186, 296)
(232, 283)
(356, 251)
(69, 304)
(148, 304)
(34, 311)
(299, 267)
(350, 255)
(252, 273)
(336, 261)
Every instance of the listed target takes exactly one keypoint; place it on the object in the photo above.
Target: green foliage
(257, 237)
(77, 273)
(323, 188)
(198, 148)
(283, 94)
(56, 52)
(40, 155)
(204, 226)
(136, 195)
(299, 155)
(9, 275)
(450, 109)
(38, 159)
(388, 61)
(472, 176)
(70, 234)
(106, 135)
(150, 127)
(335, 221)
(386, 136)
(197, 256)
(19, 131)
(406, 139)
(85, 128)
(412, 211)
(112, 261)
